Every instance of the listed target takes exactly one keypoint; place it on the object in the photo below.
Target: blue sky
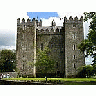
(45, 15)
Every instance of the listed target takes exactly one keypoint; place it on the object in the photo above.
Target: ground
(50, 81)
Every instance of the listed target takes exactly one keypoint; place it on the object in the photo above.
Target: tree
(89, 44)
(87, 70)
(44, 62)
(7, 60)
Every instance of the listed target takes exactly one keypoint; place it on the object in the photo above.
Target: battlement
(49, 30)
(29, 22)
(73, 20)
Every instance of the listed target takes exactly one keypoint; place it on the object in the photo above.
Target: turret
(53, 23)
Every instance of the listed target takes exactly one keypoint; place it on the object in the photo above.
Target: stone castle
(62, 40)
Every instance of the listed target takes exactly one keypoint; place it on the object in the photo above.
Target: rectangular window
(74, 65)
(74, 36)
(42, 46)
(74, 47)
(57, 64)
(74, 57)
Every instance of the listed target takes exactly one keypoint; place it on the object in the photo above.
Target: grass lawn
(53, 79)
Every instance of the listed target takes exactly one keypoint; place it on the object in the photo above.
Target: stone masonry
(62, 40)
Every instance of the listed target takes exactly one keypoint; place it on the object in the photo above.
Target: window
(74, 57)
(42, 46)
(74, 65)
(74, 47)
(57, 64)
(74, 36)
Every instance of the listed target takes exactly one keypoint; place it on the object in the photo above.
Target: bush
(86, 70)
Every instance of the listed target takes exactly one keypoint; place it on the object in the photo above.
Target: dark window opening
(57, 64)
(74, 47)
(74, 57)
(74, 65)
(42, 46)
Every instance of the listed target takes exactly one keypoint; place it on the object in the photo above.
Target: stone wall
(56, 45)
(25, 47)
(73, 36)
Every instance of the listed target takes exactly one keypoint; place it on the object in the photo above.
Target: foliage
(44, 62)
(89, 44)
(87, 70)
(7, 60)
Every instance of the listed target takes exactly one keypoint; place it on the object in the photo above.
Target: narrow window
(74, 36)
(74, 47)
(42, 46)
(57, 64)
(74, 57)
(74, 65)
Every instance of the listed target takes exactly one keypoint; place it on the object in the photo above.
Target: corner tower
(26, 47)
(73, 36)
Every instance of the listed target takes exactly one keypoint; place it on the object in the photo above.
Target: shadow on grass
(58, 82)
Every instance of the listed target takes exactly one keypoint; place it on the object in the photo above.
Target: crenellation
(28, 20)
(81, 19)
(76, 19)
(18, 21)
(70, 18)
(23, 20)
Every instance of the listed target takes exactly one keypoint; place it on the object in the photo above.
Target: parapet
(73, 20)
(29, 22)
(49, 30)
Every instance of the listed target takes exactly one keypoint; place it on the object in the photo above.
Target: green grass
(53, 79)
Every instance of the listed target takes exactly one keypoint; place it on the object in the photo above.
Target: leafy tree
(89, 44)
(86, 70)
(44, 62)
(7, 60)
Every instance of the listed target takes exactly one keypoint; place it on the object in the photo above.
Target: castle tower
(73, 36)
(26, 47)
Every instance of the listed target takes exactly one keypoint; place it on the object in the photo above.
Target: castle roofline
(48, 27)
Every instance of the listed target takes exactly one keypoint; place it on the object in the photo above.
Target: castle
(62, 40)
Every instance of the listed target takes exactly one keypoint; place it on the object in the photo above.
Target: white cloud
(7, 47)
(47, 22)
(68, 14)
